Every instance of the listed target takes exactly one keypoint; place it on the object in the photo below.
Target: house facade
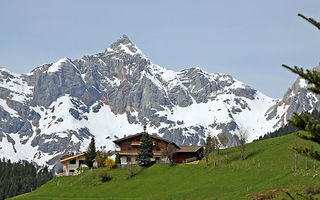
(72, 163)
(130, 148)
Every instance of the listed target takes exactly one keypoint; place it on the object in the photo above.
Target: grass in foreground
(268, 167)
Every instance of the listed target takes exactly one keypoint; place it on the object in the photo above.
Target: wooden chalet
(71, 163)
(130, 147)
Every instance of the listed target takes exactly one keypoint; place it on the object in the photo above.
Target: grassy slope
(268, 166)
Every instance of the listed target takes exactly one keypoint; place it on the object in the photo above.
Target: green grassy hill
(269, 166)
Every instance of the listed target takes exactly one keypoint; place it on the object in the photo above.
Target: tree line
(21, 177)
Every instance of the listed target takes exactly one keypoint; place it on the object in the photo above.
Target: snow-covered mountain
(297, 99)
(55, 109)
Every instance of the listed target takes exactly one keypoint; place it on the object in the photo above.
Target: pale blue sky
(248, 39)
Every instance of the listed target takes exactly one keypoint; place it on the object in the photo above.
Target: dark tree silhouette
(91, 153)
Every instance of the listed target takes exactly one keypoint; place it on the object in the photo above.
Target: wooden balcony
(138, 143)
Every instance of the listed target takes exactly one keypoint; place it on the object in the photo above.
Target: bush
(266, 196)
(104, 176)
(109, 163)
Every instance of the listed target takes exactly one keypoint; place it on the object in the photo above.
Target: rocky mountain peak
(58, 107)
(57, 65)
(124, 39)
(124, 46)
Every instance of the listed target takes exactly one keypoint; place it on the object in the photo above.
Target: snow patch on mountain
(5, 106)
(19, 89)
(56, 66)
(303, 83)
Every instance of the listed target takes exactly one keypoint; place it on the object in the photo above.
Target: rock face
(57, 108)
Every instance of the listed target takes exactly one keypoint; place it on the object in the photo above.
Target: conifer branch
(311, 20)
(312, 76)
(309, 126)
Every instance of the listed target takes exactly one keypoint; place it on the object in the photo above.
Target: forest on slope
(21, 177)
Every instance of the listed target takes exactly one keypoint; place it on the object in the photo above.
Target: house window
(158, 149)
(129, 148)
(128, 159)
(137, 140)
(73, 161)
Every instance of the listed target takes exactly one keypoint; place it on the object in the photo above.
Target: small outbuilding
(188, 154)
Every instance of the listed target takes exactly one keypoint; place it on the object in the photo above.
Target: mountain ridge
(56, 108)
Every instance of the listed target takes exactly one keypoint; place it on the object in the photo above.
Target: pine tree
(309, 126)
(146, 146)
(91, 153)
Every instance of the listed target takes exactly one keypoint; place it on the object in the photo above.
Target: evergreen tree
(91, 153)
(146, 146)
(310, 126)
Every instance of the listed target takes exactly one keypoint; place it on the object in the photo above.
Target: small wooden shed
(186, 153)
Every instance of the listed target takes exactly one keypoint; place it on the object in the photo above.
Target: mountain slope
(297, 99)
(55, 109)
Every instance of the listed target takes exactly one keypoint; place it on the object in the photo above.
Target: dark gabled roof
(138, 134)
(127, 137)
(186, 149)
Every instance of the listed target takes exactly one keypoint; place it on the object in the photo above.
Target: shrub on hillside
(109, 163)
(104, 176)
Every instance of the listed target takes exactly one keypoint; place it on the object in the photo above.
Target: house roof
(138, 134)
(186, 149)
(67, 158)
